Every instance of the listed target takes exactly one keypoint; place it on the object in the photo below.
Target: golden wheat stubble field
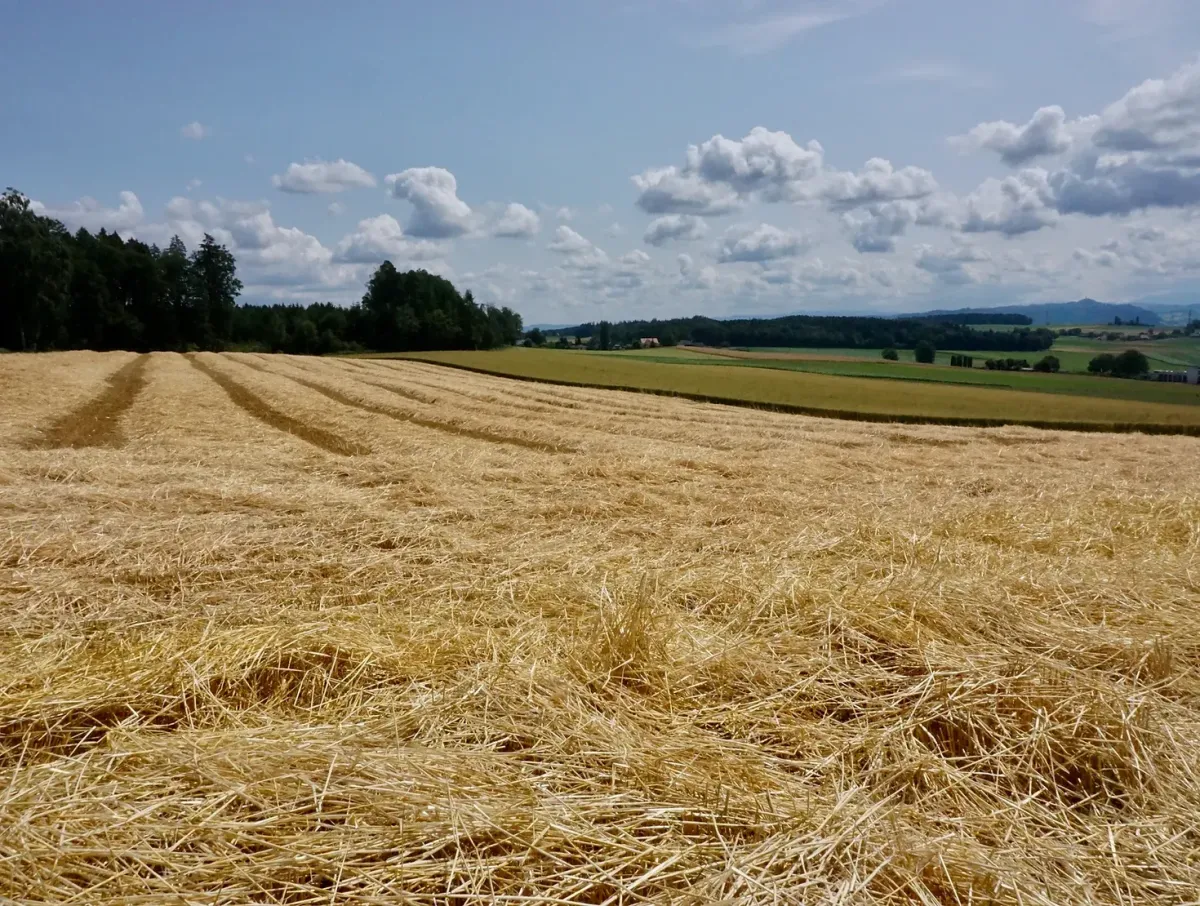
(284, 630)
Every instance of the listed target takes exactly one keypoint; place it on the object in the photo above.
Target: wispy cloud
(934, 72)
(195, 131)
(1160, 24)
(771, 31)
(1142, 15)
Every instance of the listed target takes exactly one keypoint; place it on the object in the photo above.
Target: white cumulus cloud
(761, 243)
(578, 252)
(1022, 203)
(320, 176)
(517, 222)
(878, 181)
(666, 191)
(89, 214)
(684, 227)
(268, 255)
(568, 242)
(438, 212)
(1046, 134)
(951, 266)
(1141, 152)
(379, 238)
(720, 175)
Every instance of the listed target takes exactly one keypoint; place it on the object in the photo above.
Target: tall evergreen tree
(176, 285)
(215, 288)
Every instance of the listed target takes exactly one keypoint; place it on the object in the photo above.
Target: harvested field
(438, 425)
(97, 422)
(272, 416)
(1070, 402)
(659, 651)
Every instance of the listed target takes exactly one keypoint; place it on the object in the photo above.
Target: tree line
(63, 290)
(829, 332)
(976, 317)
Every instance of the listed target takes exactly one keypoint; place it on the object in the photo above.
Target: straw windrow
(97, 422)
(707, 655)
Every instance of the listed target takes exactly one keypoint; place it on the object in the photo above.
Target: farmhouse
(649, 342)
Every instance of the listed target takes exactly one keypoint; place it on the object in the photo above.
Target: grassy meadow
(1073, 353)
(1165, 354)
(1072, 383)
(790, 383)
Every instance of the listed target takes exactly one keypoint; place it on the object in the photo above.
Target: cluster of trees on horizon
(976, 317)
(1131, 363)
(82, 291)
(63, 290)
(822, 331)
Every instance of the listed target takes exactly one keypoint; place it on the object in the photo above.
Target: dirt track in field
(97, 422)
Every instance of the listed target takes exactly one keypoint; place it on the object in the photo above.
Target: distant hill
(1085, 311)
(1173, 315)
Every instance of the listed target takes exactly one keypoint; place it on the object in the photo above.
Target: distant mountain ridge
(1085, 311)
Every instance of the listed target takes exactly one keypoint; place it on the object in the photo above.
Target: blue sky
(638, 159)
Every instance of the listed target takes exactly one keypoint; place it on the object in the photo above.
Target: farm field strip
(434, 424)
(943, 372)
(828, 395)
(1063, 383)
(61, 383)
(660, 413)
(413, 386)
(587, 409)
(97, 422)
(256, 406)
(834, 660)
(592, 410)
(1074, 353)
(580, 418)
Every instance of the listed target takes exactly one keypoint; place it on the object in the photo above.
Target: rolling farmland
(296, 630)
(1083, 403)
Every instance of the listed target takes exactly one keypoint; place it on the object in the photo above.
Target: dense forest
(60, 290)
(822, 332)
(975, 317)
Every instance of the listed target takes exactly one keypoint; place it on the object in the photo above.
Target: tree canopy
(100, 291)
(822, 332)
(1128, 364)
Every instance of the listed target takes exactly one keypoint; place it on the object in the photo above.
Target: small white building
(649, 342)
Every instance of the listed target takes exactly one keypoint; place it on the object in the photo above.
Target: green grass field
(1064, 383)
(1073, 353)
(837, 394)
(1167, 354)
